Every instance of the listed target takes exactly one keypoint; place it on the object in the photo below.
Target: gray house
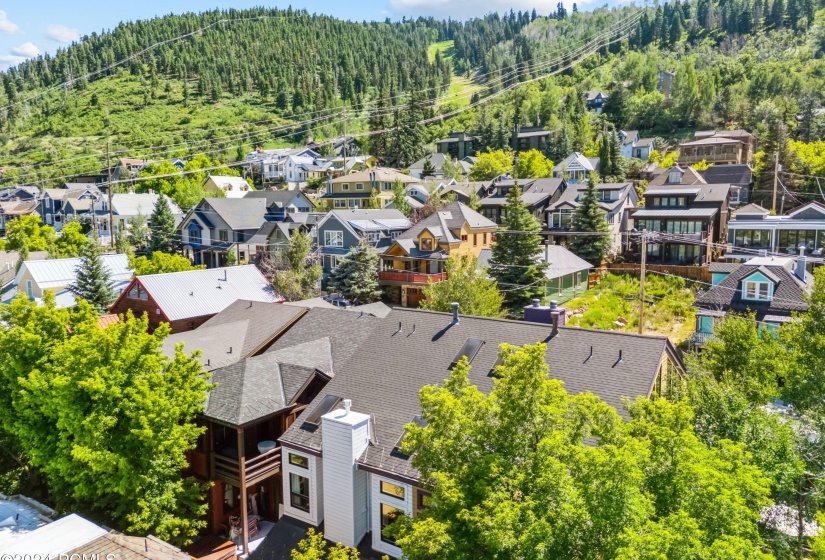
(281, 203)
(216, 226)
(341, 230)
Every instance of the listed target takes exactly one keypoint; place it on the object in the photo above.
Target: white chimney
(345, 435)
(800, 263)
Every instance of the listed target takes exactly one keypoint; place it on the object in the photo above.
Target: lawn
(614, 305)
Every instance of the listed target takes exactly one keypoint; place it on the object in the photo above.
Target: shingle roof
(751, 209)
(238, 213)
(124, 547)
(711, 140)
(195, 293)
(59, 273)
(723, 267)
(386, 375)
(644, 142)
(383, 174)
(244, 327)
(688, 176)
(789, 291)
(629, 136)
(278, 198)
(575, 161)
(453, 216)
(737, 174)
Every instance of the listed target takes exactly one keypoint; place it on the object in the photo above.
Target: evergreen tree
(615, 108)
(685, 96)
(408, 145)
(356, 276)
(516, 253)
(605, 163)
(616, 159)
(164, 237)
(428, 170)
(379, 120)
(93, 282)
(777, 13)
(589, 218)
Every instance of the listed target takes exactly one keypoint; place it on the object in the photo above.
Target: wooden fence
(698, 273)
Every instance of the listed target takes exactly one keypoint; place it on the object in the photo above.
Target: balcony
(410, 277)
(256, 469)
(699, 339)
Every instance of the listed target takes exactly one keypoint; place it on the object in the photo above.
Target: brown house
(719, 146)
(188, 299)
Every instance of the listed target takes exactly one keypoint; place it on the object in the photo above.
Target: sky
(28, 29)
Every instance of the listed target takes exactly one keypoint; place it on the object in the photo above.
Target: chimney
(554, 306)
(800, 263)
(347, 405)
(455, 312)
(554, 315)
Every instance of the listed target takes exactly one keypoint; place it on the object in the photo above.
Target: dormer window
(757, 291)
(674, 176)
(426, 244)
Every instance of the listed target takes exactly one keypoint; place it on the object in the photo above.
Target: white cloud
(27, 50)
(61, 33)
(7, 27)
(9, 60)
(464, 9)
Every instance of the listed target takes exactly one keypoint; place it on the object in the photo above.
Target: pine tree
(93, 282)
(615, 108)
(589, 218)
(428, 169)
(164, 236)
(379, 121)
(356, 276)
(516, 254)
(616, 159)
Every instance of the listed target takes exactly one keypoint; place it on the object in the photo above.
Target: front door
(414, 296)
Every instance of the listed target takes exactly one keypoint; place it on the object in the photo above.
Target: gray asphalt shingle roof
(389, 370)
(239, 213)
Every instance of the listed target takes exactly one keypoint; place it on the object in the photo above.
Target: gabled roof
(569, 196)
(195, 293)
(279, 198)
(237, 332)
(386, 373)
(238, 213)
(628, 136)
(812, 205)
(451, 217)
(576, 162)
(382, 174)
(711, 141)
(737, 174)
(687, 176)
(222, 180)
(437, 160)
(751, 209)
(59, 273)
(562, 262)
(645, 142)
(132, 204)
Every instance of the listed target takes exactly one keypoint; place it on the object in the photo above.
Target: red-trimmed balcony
(410, 277)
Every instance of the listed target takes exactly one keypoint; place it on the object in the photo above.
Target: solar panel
(327, 403)
(419, 421)
(469, 349)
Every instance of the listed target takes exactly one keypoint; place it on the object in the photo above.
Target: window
(424, 499)
(355, 203)
(223, 235)
(706, 324)
(657, 202)
(680, 227)
(299, 461)
(333, 262)
(389, 515)
(393, 490)
(373, 236)
(359, 186)
(464, 237)
(475, 240)
(649, 225)
(194, 233)
(29, 289)
(299, 492)
(754, 238)
(387, 187)
(334, 238)
(340, 203)
(484, 239)
(426, 243)
(758, 291)
(394, 234)
(137, 292)
(674, 177)
(345, 187)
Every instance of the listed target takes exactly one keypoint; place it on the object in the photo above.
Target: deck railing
(256, 468)
(411, 277)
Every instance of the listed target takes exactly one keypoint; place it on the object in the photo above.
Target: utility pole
(775, 178)
(345, 142)
(642, 284)
(109, 193)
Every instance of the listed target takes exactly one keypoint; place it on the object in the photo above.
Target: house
(343, 465)
(529, 138)
(342, 230)
(684, 223)
(615, 200)
(594, 100)
(437, 161)
(643, 147)
(258, 397)
(628, 139)
(231, 187)
(459, 145)
(417, 256)
(21, 194)
(462, 190)
(675, 175)
(575, 168)
(719, 146)
(753, 231)
(13, 209)
(664, 82)
(216, 226)
(8, 264)
(270, 165)
(272, 239)
(37, 276)
(126, 206)
(28, 528)
(56, 204)
(188, 299)
(281, 203)
(740, 177)
(354, 190)
(772, 288)
(537, 194)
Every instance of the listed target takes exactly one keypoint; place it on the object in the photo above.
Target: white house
(633, 146)
(576, 168)
(126, 206)
(232, 187)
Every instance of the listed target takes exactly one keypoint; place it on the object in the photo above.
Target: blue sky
(28, 29)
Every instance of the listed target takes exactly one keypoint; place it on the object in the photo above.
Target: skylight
(469, 349)
(327, 403)
(419, 421)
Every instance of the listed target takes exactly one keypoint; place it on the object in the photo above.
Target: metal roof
(59, 273)
(195, 293)
(673, 191)
(132, 204)
(55, 538)
(685, 213)
(563, 262)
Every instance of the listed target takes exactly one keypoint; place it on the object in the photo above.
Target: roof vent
(554, 316)
(347, 405)
(455, 312)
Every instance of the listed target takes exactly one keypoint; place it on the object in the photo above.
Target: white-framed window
(387, 186)
(373, 236)
(299, 492)
(757, 291)
(340, 203)
(334, 238)
(333, 262)
(345, 187)
(394, 234)
(355, 203)
(359, 186)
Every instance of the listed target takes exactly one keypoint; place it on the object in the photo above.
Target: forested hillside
(277, 77)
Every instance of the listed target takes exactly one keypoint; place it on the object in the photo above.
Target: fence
(698, 273)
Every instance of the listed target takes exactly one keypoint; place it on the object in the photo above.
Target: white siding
(378, 498)
(345, 437)
(316, 490)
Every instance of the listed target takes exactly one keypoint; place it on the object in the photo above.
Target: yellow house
(355, 189)
(418, 255)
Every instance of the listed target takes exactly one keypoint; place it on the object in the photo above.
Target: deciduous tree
(491, 164)
(467, 284)
(160, 263)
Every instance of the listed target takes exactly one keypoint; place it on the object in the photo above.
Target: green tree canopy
(356, 276)
(491, 164)
(399, 198)
(93, 282)
(70, 242)
(589, 218)
(160, 263)
(138, 233)
(533, 164)
(164, 237)
(26, 230)
(516, 253)
(104, 416)
(466, 284)
(295, 275)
